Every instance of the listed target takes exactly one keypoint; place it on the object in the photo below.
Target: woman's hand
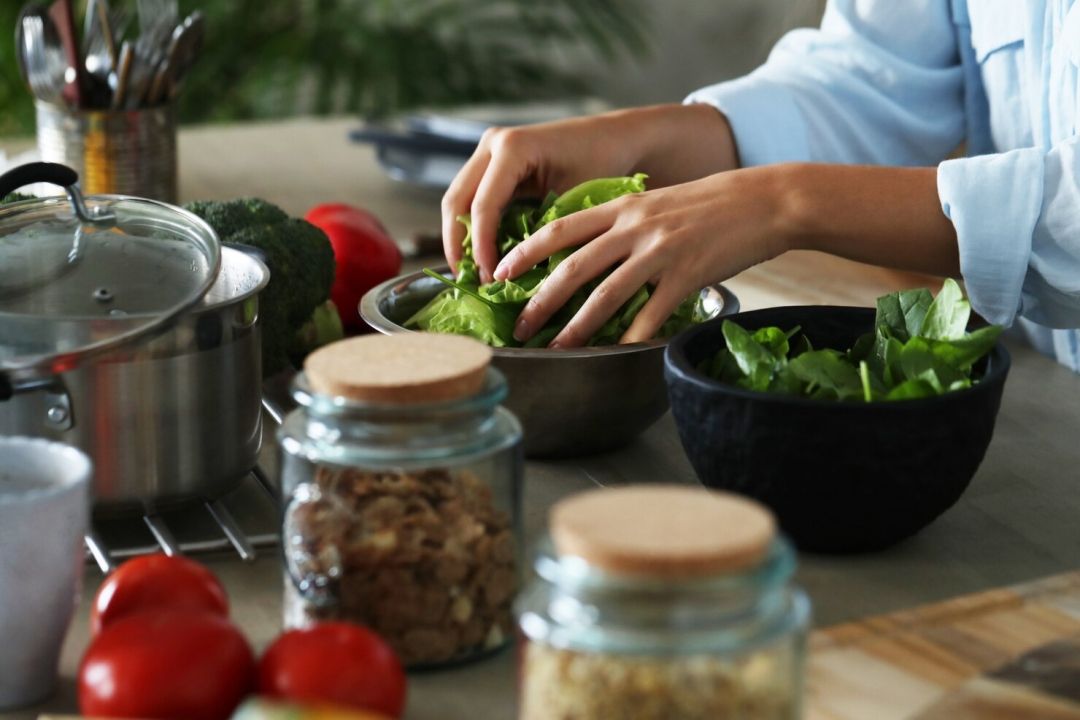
(682, 238)
(672, 143)
(678, 239)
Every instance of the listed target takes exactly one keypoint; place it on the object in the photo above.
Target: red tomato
(168, 665)
(336, 663)
(364, 252)
(154, 582)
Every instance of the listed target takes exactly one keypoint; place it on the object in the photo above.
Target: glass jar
(404, 518)
(714, 646)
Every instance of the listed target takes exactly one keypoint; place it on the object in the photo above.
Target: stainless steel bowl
(570, 402)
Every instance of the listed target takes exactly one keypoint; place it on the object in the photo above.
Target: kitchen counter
(1016, 522)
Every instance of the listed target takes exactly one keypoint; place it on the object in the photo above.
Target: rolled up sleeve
(994, 202)
(879, 83)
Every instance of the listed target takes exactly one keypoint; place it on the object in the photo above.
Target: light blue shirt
(905, 82)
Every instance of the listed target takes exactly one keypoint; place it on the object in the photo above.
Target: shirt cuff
(993, 202)
(764, 118)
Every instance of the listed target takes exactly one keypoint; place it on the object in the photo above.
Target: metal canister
(115, 152)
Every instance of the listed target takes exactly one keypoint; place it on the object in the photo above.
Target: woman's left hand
(678, 239)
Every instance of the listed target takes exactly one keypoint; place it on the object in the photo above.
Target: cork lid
(405, 369)
(662, 530)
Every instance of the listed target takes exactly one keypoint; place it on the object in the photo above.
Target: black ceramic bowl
(841, 477)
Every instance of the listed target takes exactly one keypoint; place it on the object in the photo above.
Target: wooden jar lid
(404, 369)
(663, 530)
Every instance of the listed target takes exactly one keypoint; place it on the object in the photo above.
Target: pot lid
(82, 277)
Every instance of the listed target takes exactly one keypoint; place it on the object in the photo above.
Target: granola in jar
(401, 474)
(425, 559)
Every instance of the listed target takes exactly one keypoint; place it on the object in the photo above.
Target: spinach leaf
(947, 317)
(911, 389)
(775, 340)
(902, 313)
(919, 348)
(961, 353)
(754, 359)
(828, 371)
(917, 358)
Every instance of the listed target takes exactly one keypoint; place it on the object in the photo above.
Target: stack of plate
(428, 148)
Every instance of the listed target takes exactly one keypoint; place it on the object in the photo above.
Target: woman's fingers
(603, 303)
(584, 265)
(570, 231)
(665, 297)
(496, 189)
(456, 201)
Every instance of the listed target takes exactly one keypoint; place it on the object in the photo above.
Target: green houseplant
(273, 58)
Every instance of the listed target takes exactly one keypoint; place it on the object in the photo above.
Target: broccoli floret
(322, 328)
(301, 263)
(232, 216)
(15, 197)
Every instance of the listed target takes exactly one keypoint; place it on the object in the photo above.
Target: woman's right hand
(672, 143)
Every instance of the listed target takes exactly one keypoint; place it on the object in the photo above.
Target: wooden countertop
(1016, 522)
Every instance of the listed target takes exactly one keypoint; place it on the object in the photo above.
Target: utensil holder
(116, 152)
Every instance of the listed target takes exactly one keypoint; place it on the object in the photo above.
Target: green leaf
(722, 367)
(947, 317)
(474, 315)
(911, 390)
(872, 386)
(612, 331)
(902, 313)
(754, 360)
(863, 348)
(775, 340)
(468, 273)
(590, 194)
(917, 358)
(961, 353)
(828, 370)
(786, 381)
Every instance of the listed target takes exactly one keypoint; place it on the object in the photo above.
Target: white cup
(44, 504)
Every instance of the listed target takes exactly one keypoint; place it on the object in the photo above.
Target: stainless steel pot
(128, 332)
(169, 418)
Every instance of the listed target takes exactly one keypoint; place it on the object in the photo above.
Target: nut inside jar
(425, 558)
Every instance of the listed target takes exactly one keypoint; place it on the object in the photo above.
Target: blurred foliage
(274, 58)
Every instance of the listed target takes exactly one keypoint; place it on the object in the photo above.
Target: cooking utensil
(173, 412)
(840, 476)
(42, 485)
(63, 18)
(118, 80)
(101, 49)
(41, 56)
(157, 19)
(173, 418)
(184, 48)
(570, 402)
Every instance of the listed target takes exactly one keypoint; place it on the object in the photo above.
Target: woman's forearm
(879, 215)
(677, 143)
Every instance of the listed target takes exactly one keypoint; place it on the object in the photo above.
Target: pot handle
(56, 174)
(37, 172)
